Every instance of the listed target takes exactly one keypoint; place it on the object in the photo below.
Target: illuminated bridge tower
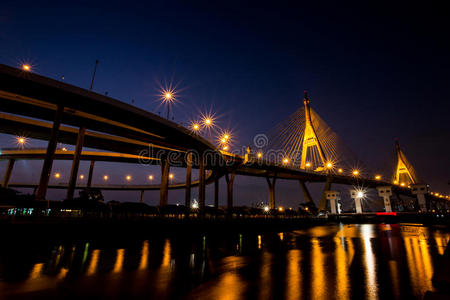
(312, 145)
(404, 173)
(310, 140)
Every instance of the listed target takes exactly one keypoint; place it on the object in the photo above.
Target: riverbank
(136, 226)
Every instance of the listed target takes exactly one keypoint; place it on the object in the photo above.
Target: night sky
(374, 73)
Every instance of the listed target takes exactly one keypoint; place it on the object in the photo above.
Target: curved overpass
(48, 109)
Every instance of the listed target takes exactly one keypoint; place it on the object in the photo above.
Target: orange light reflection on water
(92, 268)
(294, 276)
(119, 260)
(144, 256)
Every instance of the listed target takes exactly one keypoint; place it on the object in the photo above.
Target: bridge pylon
(404, 173)
(310, 139)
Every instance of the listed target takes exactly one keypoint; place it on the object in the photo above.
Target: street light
(286, 161)
(105, 177)
(81, 176)
(195, 126)
(128, 177)
(340, 170)
(355, 172)
(208, 122)
(26, 67)
(259, 155)
(57, 175)
(150, 177)
(21, 141)
(308, 164)
(168, 98)
(377, 177)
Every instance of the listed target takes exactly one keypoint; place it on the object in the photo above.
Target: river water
(364, 261)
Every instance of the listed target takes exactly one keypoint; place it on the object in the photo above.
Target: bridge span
(51, 110)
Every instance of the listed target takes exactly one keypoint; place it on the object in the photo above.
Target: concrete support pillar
(271, 184)
(420, 190)
(48, 161)
(201, 184)
(187, 199)
(164, 189)
(142, 196)
(8, 172)
(334, 197)
(386, 192)
(323, 199)
(230, 179)
(358, 205)
(76, 163)
(306, 194)
(216, 192)
(91, 173)
(357, 195)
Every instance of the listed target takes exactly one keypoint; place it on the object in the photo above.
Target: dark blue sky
(375, 72)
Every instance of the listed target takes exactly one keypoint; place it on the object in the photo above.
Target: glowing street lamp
(21, 141)
(150, 177)
(266, 208)
(105, 177)
(225, 148)
(26, 67)
(208, 122)
(285, 161)
(171, 176)
(355, 172)
(195, 127)
(340, 170)
(308, 164)
(81, 176)
(377, 177)
(168, 98)
(358, 194)
(259, 155)
(128, 177)
(57, 175)
(329, 165)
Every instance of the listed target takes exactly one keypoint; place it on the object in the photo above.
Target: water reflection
(119, 260)
(293, 274)
(369, 263)
(36, 271)
(318, 287)
(94, 262)
(339, 262)
(144, 256)
(342, 263)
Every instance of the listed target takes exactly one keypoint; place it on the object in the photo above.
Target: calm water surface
(325, 262)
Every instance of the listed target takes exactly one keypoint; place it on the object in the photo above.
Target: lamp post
(168, 99)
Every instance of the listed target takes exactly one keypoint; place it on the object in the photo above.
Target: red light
(386, 213)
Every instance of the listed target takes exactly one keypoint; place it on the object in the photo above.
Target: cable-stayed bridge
(302, 148)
